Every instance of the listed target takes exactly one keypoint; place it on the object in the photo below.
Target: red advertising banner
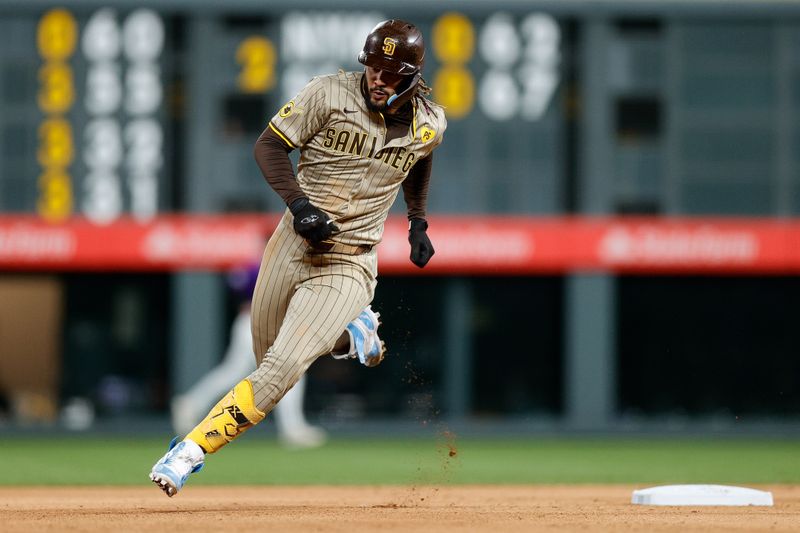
(169, 242)
(469, 245)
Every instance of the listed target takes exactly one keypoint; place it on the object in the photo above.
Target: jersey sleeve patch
(426, 134)
(299, 119)
(287, 109)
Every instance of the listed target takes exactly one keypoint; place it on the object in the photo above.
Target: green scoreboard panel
(83, 124)
(106, 113)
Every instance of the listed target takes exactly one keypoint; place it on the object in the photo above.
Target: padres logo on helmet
(388, 46)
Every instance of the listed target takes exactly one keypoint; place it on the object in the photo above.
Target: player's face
(381, 85)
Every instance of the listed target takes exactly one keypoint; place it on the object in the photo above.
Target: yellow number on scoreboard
(55, 143)
(56, 35)
(257, 57)
(56, 91)
(454, 88)
(453, 38)
(55, 200)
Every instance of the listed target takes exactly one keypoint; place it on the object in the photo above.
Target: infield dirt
(496, 509)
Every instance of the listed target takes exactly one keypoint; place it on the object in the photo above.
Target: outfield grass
(93, 461)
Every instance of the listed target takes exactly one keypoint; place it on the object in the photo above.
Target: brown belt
(340, 248)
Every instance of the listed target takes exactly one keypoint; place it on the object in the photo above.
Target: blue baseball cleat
(172, 470)
(364, 341)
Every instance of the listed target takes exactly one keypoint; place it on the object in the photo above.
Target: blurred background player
(188, 409)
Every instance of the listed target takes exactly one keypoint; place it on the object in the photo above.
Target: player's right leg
(236, 411)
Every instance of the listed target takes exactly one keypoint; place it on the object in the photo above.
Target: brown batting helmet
(396, 46)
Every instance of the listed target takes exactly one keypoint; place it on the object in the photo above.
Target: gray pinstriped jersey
(345, 168)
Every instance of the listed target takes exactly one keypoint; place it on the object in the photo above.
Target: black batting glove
(310, 222)
(421, 247)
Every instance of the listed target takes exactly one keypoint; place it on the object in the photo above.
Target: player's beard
(377, 108)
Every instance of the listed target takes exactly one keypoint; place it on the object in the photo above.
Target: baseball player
(362, 136)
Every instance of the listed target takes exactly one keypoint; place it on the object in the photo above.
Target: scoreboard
(100, 139)
(123, 98)
(553, 107)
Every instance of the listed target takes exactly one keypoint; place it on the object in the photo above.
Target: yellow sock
(233, 415)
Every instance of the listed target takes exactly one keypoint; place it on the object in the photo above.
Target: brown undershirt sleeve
(415, 187)
(272, 157)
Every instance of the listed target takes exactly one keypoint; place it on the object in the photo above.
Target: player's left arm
(415, 193)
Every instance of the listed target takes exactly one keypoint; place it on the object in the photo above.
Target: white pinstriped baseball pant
(302, 303)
